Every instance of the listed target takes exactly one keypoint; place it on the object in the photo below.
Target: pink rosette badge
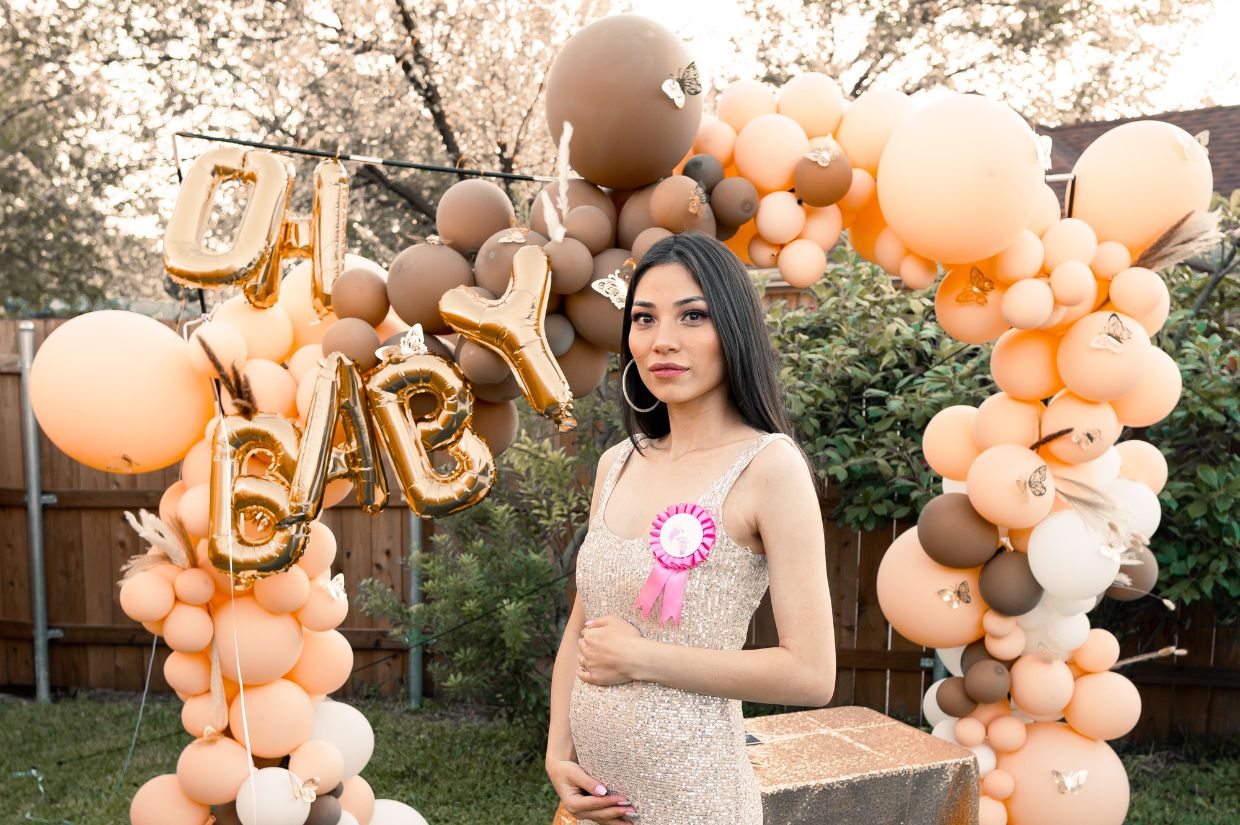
(681, 538)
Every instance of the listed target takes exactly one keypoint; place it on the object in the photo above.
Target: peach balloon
(336, 491)
(868, 124)
(997, 624)
(1007, 647)
(196, 466)
(197, 713)
(1101, 797)
(162, 802)
(802, 263)
(969, 306)
(278, 718)
(1137, 291)
(1072, 282)
(211, 770)
(255, 646)
(1111, 258)
(864, 231)
(305, 361)
(768, 149)
(1047, 211)
(322, 610)
(169, 500)
(225, 340)
(1099, 652)
(274, 389)
(1155, 396)
(283, 592)
(987, 712)
(1023, 363)
(1104, 706)
(1006, 733)
(1142, 461)
(780, 218)
(889, 251)
(188, 673)
(1135, 208)
(117, 391)
(194, 509)
(998, 785)
(917, 272)
(814, 100)
(1009, 486)
(147, 597)
(959, 178)
(910, 587)
(860, 193)
(1027, 304)
(947, 442)
(969, 732)
(1093, 426)
(193, 586)
(743, 101)
(325, 663)
(320, 760)
(297, 302)
(188, 628)
(1021, 259)
(1041, 687)
(268, 332)
(1103, 356)
(1153, 320)
(320, 550)
(822, 226)
(762, 253)
(1002, 419)
(1069, 239)
(715, 138)
(990, 811)
(358, 799)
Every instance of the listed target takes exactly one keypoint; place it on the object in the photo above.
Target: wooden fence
(87, 541)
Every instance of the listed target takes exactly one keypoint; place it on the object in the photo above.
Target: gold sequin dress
(678, 756)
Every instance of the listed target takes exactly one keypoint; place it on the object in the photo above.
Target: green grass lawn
(451, 767)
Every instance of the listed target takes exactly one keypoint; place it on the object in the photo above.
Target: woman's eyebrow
(681, 302)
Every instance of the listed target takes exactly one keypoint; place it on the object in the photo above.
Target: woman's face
(672, 337)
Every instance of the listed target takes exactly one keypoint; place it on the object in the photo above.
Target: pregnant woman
(708, 503)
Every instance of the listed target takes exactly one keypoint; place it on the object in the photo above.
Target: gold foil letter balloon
(410, 439)
(512, 327)
(249, 534)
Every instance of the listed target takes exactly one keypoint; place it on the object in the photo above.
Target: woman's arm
(801, 670)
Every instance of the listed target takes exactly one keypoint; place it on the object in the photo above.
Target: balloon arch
(322, 370)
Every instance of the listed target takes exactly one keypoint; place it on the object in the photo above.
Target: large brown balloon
(585, 367)
(648, 239)
(1008, 586)
(634, 217)
(987, 681)
(735, 201)
(953, 699)
(361, 293)
(953, 534)
(1144, 576)
(493, 266)
(819, 185)
(481, 365)
(560, 334)
(591, 226)
(496, 424)
(580, 193)
(419, 276)
(571, 265)
(608, 82)
(355, 339)
(594, 316)
(676, 203)
(471, 211)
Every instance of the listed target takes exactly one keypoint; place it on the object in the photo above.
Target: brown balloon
(647, 239)
(724, 233)
(953, 534)
(419, 276)
(324, 810)
(1008, 586)
(471, 211)
(226, 814)
(953, 699)
(580, 193)
(512, 326)
(735, 201)
(361, 293)
(987, 681)
(611, 82)
(704, 222)
(595, 317)
(496, 424)
(481, 365)
(560, 334)
(506, 390)
(585, 367)
(634, 217)
(975, 652)
(1144, 576)
(705, 169)
(355, 339)
(591, 226)
(571, 265)
(822, 176)
(493, 266)
(677, 203)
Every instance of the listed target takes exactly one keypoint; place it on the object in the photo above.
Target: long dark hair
(750, 367)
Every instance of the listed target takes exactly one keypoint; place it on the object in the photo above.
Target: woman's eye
(696, 315)
(641, 318)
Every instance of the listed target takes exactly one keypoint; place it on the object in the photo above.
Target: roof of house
(1222, 122)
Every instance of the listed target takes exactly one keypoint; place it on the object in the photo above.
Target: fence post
(34, 517)
(415, 596)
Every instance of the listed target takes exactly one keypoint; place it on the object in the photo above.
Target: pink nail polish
(600, 790)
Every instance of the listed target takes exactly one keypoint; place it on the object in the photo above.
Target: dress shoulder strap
(609, 483)
(718, 492)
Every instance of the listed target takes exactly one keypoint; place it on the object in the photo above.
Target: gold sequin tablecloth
(854, 766)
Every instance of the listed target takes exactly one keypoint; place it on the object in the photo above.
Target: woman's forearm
(773, 675)
(563, 675)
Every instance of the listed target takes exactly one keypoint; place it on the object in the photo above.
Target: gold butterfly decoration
(1035, 483)
(1071, 781)
(336, 587)
(979, 289)
(1087, 438)
(956, 596)
(1045, 147)
(1113, 335)
(688, 82)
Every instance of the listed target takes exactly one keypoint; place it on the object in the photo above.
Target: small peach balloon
(284, 592)
(1023, 363)
(187, 628)
(273, 387)
(998, 784)
(1100, 651)
(194, 586)
(1010, 486)
(989, 711)
(1028, 304)
(198, 713)
(868, 124)
(1092, 425)
(762, 253)
(296, 301)
(889, 251)
(1111, 258)
(969, 306)
(780, 218)
(743, 101)
(268, 332)
(358, 799)
(1002, 419)
(715, 138)
(990, 811)
(1072, 282)
(1142, 461)
(1008, 647)
(318, 759)
(256, 646)
(997, 624)
(861, 193)
(224, 340)
(1041, 687)
(947, 442)
(1006, 733)
(170, 499)
(277, 718)
(320, 550)
(147, 597)
(162, 802)
(188, 673)
(814, 100)
(1046, 213)
(822, 226)
(323, 610)
(802, 263)
(1022, 259)
(325, 663)
(969, 732)
(211, 770)
(305, 361)
(1103, 356)
(768, 149)
(1155, 395)
(917, 272)
(1137, 291)
(1070, 239)
(194, 509)
(196, 466)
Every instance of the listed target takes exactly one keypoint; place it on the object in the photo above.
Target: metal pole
(415, 596)
(34, 517)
